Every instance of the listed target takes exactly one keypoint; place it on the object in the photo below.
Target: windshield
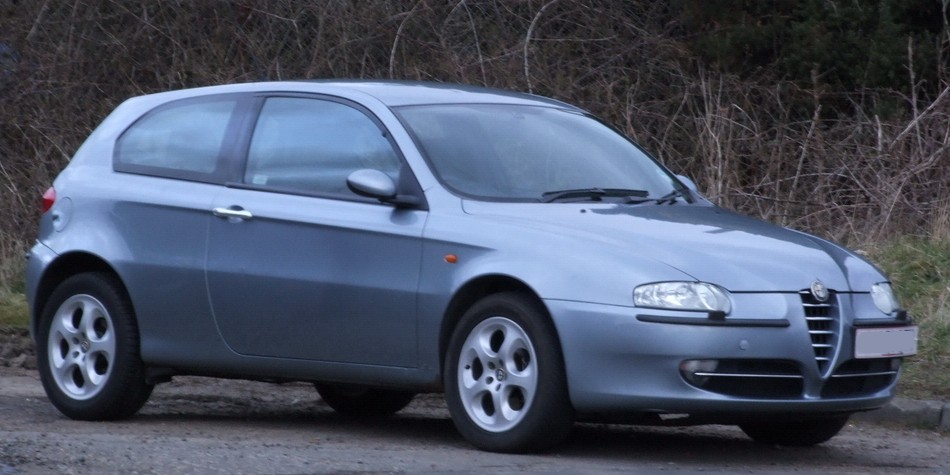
(531, 153)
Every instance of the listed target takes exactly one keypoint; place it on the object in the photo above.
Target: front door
(298, 266)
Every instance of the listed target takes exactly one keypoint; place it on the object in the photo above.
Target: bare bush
(767, 148)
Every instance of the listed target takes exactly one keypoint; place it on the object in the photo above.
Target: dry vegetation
(771, 149)
(835, 163)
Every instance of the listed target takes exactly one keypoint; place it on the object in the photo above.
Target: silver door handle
(232, 213)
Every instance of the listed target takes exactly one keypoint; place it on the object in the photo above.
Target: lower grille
(822, 318)
(862, 377)
(760, 379)
(783, 379)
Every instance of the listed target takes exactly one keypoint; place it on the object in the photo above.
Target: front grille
(822, 318)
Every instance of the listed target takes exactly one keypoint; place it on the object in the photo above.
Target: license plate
(885, 342)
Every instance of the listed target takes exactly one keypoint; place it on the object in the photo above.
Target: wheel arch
(64, 267)
(473, 291)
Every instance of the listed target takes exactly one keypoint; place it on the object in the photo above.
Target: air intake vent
(860, 378)
(822, 318)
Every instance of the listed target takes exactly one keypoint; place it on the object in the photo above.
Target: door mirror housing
(689, 183)
(372, 183)
(376, 184)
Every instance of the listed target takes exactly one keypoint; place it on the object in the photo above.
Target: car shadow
(426, 423)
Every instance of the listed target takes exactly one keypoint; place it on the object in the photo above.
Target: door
(298, 266)
(171, 162)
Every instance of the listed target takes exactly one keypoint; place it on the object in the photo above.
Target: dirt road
(199, 425)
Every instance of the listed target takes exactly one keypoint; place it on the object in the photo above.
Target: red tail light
(49, 198)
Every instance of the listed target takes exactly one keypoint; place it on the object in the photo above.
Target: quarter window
(312, 145)
(183, 140)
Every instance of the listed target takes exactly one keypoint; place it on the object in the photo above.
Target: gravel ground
(16, 349)
(204, 425)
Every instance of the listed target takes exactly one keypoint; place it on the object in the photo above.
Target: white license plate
(885, 342)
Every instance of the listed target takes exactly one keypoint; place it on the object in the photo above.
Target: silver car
(382, 239)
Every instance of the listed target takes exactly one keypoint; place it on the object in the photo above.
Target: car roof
(390, 93)
(396, 93)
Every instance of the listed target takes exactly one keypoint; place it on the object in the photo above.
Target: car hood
(705, 242)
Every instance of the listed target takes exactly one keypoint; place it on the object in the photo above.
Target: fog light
(698, 371)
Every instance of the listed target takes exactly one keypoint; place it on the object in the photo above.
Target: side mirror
(689, 183)
(372, 183)
(376, 184)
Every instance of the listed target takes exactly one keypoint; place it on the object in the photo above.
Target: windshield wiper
(592, 194)
(672, 196)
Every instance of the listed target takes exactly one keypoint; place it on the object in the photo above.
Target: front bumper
(627, 361)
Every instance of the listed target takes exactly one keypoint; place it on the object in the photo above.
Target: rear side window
(179, 140)
(312, 145)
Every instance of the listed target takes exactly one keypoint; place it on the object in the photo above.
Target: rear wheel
(504, 377)
(799, 433)
(88, 350)
(358, 401)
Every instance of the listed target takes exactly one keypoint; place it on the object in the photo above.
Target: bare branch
(527, 42)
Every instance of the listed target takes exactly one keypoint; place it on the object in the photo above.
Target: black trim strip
(727, 322)
(881, 322)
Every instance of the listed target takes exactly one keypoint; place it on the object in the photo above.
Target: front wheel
(88, 350)
(798, 432)
(504, 377)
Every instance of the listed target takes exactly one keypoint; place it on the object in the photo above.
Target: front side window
(312, 145)
(179, 140)
(529, 153)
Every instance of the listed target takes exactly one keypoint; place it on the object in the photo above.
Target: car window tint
(312, 145)
(184, 137)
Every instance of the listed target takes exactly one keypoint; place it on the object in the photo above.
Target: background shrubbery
(830, 116)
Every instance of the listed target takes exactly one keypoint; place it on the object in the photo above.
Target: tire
(360, 402)
(805, 432)
(504, 378)
(88, 350)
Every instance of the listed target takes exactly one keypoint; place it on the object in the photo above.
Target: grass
(919, 268)
(920, 271)
(13, 310)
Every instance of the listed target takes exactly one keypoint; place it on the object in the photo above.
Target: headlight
(694, 296)
(883, 297)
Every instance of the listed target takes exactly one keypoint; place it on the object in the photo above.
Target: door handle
(234, 213)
